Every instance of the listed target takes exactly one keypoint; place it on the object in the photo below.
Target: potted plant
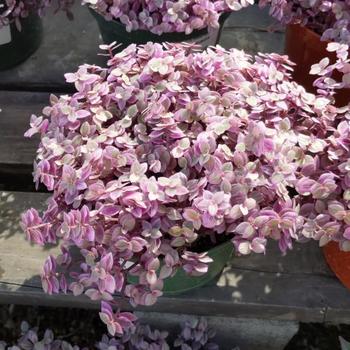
(311, 26)
(138, 22)
(317, 39)
(21, 29)
(163, 159)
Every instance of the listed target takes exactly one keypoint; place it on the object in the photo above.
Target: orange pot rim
(338, 261)
(309, 35)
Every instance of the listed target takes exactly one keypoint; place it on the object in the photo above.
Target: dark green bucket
(181, 282)
(16, 46)
(115, 31)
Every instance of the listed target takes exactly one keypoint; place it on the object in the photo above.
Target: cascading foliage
(168, 147)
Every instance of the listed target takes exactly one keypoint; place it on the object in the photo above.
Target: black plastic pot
(16, 46)
(115, 31)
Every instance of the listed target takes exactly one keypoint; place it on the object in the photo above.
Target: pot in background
(16, 46)
(116, 31)
(339, 262)
(305, 48)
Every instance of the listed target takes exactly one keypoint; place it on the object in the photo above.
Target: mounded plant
(167, 152)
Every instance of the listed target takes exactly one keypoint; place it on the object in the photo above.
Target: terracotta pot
(338, 261)
(305, 48)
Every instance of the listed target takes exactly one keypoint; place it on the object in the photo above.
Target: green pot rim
(194, 282)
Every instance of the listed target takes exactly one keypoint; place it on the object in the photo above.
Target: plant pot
(305, 48)
(116, 31)
(181, 282)
(16, 46)
(338, 261)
